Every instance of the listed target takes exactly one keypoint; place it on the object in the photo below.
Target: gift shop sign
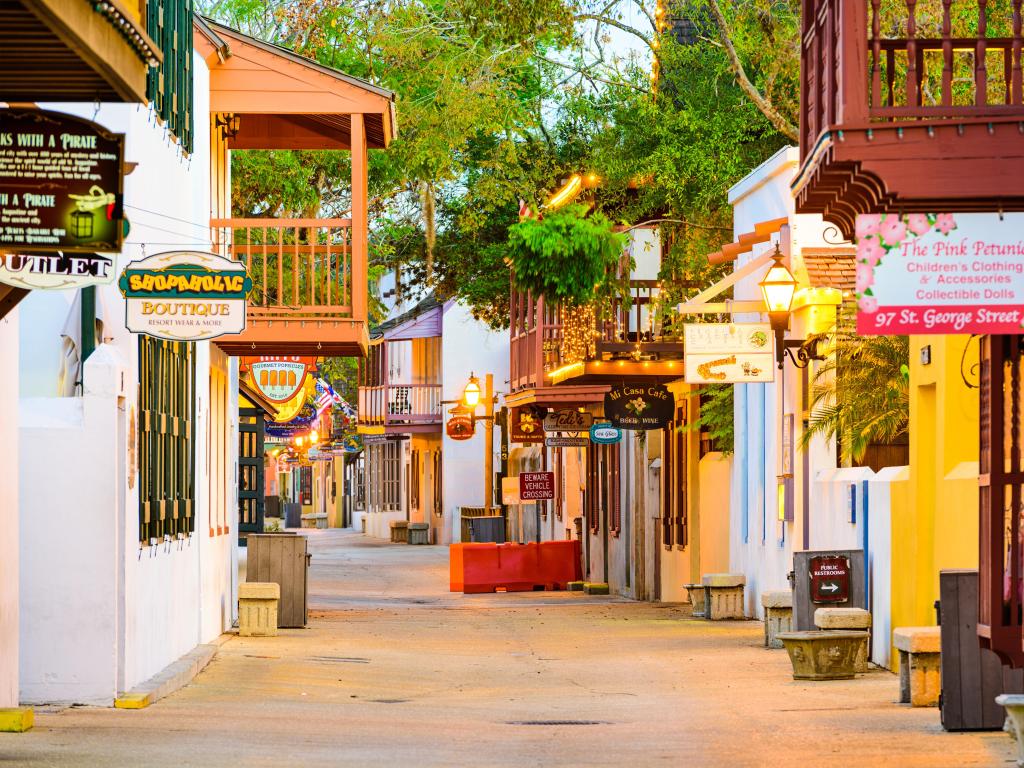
(185, 296)
(728, 353)
(60, 183)
(526, 424)
(278, 379)
(568, 420)
(937, 274)
(56, 271)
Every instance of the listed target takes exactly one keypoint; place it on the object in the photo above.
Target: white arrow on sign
(830, 588)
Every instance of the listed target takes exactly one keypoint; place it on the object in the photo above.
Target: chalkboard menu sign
(61, 183)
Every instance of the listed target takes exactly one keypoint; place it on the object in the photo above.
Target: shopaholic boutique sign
(61, 183)
(185, 296)
(940, 273)
(278, 379)
(639, 406)
(56, 271)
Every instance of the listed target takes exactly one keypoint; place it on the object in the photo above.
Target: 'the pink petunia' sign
(940, 273)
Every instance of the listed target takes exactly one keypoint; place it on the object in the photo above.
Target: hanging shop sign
(578, 440)
(278, 379)
(185, 296)
(728, 353)
(830, 579)
(536, 486)
(639, 406)
(525, 424)
(568, 420)
(61, 183)
(605, 433)
(459, 427)
(940, 273)
(56, 271)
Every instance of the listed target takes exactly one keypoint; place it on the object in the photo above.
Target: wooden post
(360, 214)
(489, 441)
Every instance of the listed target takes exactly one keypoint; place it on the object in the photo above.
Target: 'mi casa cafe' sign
(185, 296)
(639, 406)
(61, 183)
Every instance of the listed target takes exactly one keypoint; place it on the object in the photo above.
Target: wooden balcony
(401, 408)
(910, 106)
(625, 343)
(304, 299)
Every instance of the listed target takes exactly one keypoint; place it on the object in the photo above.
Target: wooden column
(360, 223)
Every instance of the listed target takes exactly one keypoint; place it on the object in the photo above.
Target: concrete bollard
(849, 619)
(822, 655)
(920, 664)
(698, 595)
(419, 533)
(724, 595)
(257, 608)
(1014, 705)
(778, 616)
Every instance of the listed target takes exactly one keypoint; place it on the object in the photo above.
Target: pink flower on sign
(865, 277)
(868, 224)
(945, 223)
(870, 251)
(868, 304)
(893, 230)
(918, 223)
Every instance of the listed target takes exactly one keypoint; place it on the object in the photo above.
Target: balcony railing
(400, 405)
(889, 86)
(542, 339)
(308, 291)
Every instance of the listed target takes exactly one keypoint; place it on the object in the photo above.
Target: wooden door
(251, 431)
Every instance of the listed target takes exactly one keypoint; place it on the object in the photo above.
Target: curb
(164, 683)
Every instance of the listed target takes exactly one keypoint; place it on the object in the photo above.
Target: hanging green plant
(567, 256)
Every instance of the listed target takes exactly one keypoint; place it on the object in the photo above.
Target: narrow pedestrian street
(395, 670)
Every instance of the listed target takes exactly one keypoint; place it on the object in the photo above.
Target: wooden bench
(778, 616)
(920, 668)
(724, 595)
(419, 533)
(850, 620)
(399, 531)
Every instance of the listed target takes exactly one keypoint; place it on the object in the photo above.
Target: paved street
(395, 671)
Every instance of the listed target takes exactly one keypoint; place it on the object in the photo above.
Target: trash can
(282, 558)
(487, 529)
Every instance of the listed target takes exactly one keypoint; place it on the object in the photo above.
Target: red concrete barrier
(485, 567)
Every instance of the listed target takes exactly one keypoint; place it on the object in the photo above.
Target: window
(169, 23)
(602, 488)
(414, 482)
(674, 523)
(167, 404)
(391, 477)
(438, 501)
(613, 499)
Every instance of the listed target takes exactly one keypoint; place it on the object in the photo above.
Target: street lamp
(471, 394)
(778, 288)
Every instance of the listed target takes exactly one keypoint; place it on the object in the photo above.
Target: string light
(578, 334)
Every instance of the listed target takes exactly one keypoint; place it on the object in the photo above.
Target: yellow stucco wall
(935, 513)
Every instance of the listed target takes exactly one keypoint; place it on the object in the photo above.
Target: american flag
(327, 398)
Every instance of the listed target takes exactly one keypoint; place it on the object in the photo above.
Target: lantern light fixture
(778, 288)
(471, 394)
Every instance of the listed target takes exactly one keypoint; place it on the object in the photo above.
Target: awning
(57, 50)
(762, 233)
(286, 101)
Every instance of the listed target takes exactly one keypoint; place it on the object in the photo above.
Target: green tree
(861, 394)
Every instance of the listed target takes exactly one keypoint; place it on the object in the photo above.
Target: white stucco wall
(9, 512)
(468, 346)
(100, 612)
(761, 545)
